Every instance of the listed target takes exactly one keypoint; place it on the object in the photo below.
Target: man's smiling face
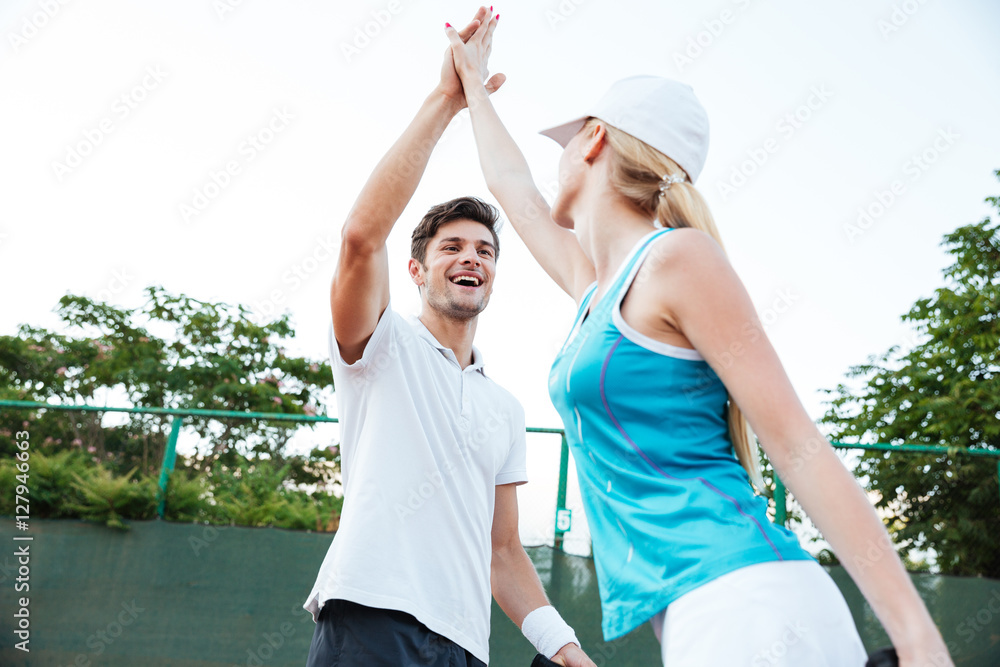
(457, 277)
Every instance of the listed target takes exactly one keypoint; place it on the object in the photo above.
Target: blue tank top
(669, 505)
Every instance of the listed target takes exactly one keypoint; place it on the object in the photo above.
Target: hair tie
(667, 180)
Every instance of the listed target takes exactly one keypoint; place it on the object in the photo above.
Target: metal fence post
(169, 457)
(561, 492)
(780, 504)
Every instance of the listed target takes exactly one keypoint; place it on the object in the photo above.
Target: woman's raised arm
(507, 174)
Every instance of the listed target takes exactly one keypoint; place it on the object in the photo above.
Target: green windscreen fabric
(197, 596)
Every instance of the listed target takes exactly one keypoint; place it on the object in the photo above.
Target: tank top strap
(628, 270)
(635, 264)
(585, 302)
(581, 313)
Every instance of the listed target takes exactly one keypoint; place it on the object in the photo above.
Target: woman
(665, 346)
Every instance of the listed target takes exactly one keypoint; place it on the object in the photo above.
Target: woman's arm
(697, 292)
(508, 176)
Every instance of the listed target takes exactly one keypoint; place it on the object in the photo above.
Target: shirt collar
(425, 333)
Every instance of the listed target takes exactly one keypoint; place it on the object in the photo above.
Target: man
(432, 449)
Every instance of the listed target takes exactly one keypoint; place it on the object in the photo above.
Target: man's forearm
(519, 593)
(397, 175)
(515, 583)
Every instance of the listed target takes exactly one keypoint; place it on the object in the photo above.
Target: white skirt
(777, 614)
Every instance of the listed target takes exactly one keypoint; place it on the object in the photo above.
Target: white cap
(661, 112)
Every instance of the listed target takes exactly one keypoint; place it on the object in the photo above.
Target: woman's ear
(595, 142)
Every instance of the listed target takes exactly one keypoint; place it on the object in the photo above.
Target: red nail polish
(491, 9)
(498, 17)
(447, 25)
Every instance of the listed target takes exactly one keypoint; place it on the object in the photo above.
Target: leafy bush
(50, 479)
(108, 499)
(69, 485)
(186, 499)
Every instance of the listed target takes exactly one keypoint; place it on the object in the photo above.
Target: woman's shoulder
(685, 248)
(686, 236)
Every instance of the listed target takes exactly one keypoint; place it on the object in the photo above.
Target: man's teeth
(467, 279)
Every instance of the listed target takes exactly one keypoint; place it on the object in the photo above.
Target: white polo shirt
(423, 445)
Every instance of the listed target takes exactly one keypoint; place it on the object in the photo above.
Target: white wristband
(547, 631)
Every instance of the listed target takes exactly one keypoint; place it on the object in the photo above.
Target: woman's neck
(608, 227)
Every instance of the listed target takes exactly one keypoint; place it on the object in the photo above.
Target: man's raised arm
(359, 293)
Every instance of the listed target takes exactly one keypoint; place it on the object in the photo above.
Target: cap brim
(562, 134)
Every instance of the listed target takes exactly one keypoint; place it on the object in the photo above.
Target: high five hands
(466, 61)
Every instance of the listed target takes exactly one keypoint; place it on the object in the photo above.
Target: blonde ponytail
(637, 173)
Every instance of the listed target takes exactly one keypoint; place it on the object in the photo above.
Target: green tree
(174, 351)
(944, 390)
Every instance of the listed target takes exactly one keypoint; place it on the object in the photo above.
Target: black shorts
(348, 634)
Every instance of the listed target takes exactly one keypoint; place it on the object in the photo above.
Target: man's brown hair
(462, 208)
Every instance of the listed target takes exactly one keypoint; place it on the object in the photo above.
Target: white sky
(226, 67)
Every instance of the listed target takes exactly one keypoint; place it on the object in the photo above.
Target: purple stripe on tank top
(607, 408)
